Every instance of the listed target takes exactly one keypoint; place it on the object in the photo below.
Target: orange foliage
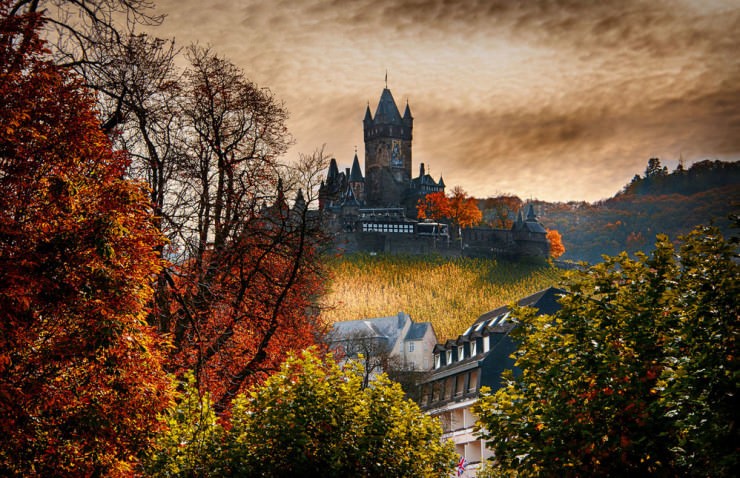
(433, 206)
(458, 207)
(463, 209)
(557, 248)
(81, 381)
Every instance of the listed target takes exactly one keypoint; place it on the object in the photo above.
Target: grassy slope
(449, 293)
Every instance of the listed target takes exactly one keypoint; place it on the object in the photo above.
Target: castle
(376, 212)
(387, 182)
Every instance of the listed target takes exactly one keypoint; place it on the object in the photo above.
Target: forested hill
(659, 201)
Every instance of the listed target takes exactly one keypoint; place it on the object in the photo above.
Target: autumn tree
(245, 271)
(499, 211)
(458, 208)
(434, 206)
(463, 210)
(311, 419)
(81, 380)
(91, 38)
(557, 248)
(635, 376)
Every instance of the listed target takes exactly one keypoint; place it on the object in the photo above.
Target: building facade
(395, 345)
(476, 359)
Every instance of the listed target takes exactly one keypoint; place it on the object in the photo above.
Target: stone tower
(387, 152)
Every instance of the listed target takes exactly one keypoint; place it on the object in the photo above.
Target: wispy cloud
(557, 99)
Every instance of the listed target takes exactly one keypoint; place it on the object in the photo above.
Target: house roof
(417, 331)
(545, 301)
(388, 328)
(496, 323)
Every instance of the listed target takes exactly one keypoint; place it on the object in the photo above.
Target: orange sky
(556, 100)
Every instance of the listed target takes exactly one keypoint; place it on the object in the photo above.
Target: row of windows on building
(465, 350)
(449, 388)
(387, 227)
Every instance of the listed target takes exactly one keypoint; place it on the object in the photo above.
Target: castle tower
(387, 152)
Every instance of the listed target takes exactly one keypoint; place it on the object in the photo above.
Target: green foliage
(635, 376)
(190, 444)
(446, 292)
(311, 418)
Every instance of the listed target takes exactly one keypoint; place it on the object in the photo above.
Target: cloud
(559, 99)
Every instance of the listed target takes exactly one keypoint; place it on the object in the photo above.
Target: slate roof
(378, 328)
(545, 301)
(387, 111)
(356, 174)
(498, 323)
(417, 331)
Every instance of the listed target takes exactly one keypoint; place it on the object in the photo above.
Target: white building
(474, 360)
(395, 343)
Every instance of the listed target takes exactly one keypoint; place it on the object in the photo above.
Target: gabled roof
(387, 111)
(545, 301)
(497, 324)
(388, 328)
(417, 331)
(350, 199)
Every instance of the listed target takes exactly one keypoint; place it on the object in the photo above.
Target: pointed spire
(368, 116)
(530, 214)
(333, 171)
(407, 113)
(356, 174)
(441, 181)
(387, 111)
(519, 219)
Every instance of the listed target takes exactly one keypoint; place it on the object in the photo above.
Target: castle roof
(387, 111)
(350, 199)
(333, 170)
(407, 112)
(356, 174)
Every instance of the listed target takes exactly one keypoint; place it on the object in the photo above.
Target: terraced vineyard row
(449, 293)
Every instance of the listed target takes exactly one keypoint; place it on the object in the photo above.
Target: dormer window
(449, 357)
(437, 361)
(486, 343)
(473, 351)
(460, 352)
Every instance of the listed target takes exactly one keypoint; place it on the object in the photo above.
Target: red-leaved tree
(81, 381)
